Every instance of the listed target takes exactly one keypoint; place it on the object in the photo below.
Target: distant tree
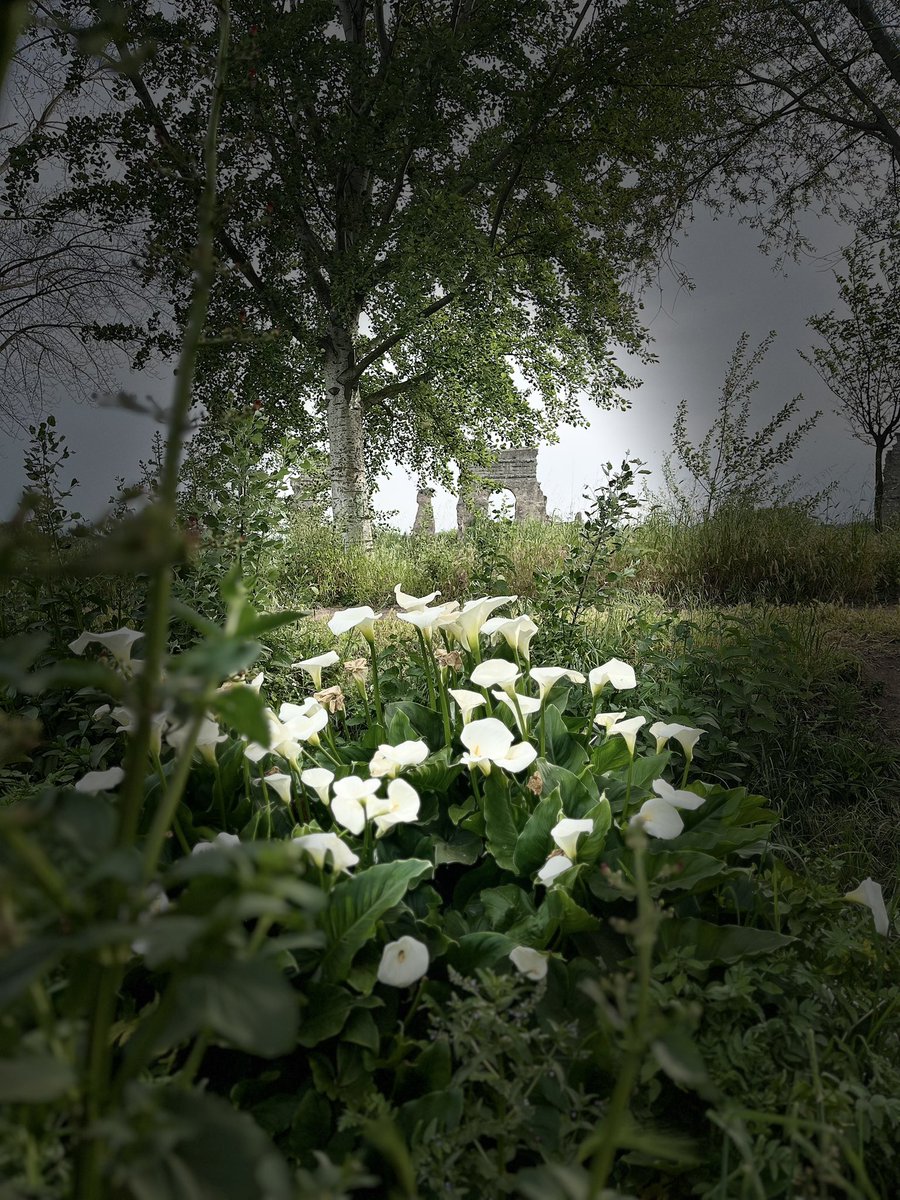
(860, 359)
(416, 201)
(732, 464)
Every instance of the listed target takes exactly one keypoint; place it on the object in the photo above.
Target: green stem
(376, 684)
(543, 730)
(445, 713)
(426, 667)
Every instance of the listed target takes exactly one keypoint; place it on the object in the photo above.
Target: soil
(883, 667)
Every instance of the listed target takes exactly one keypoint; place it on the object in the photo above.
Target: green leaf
(34, 1079)
(482, 949)
(577, 798)
(534, 842)
(501, 829)
(424, 721)
(706, 942)
(326, 1008)
(243, 709)
(562, 748)
(560, 912)
(26, 963)
(463, 847)
(248, 1004)
(357, 904)
(610, 755)
(591, 847)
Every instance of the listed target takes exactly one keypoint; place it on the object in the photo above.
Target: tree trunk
(879, 485)
(346, 442)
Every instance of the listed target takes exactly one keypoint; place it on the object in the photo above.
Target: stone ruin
(890, 504)
(514, 471)
(424, 522)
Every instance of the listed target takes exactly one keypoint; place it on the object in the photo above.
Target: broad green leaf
(34, 1079)
(610, 755)
(248, 1004)
(463, 847)
(534, 842)
(482, 949)
(357, 904)
(501, 828)
(707, 942)
(561, 747)
(577, 798)
(591, 847)
(243, 709)
(424, 721)
(560, 912)
(325, 1010)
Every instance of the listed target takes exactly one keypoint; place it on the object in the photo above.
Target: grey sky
(694, 335)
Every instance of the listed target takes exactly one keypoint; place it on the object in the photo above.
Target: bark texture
(346, 440)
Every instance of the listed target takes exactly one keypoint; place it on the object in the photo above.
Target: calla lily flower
(119, 643)
(527, 705)
(472, 616)
(517, 632)
(683, 734)
(676, 796)
(429, 619)
(362, 618)
(412, 603)
(391, 760)
(207, 739)
(222, 841)
(467, 702)
(607, 720)
(557, 864)
(658, 818)
(320, 845)
(489, 742)
(306, 729)
(254, 684)
(869, 893)
(567, 832)
(314, 666)
(614, 672)
(530, 963)
(100, 781)
(403, 962)
(628, 731)
(290, 712)
(319, 779)
(399, 807)
(546, 677)
(496, 672)
(280, 783)
(127, 723)
(348, 803)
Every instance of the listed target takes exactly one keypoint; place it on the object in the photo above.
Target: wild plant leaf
(357, 904)
(534, 842)
(706, 942)
(34, 1079)
(482, 949)
(243, 709)
(326, 1007)
(249, 1004)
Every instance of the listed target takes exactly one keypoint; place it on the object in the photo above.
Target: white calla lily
(517, 703)
(126, 720)
(677, 797)
(546, 677)
(485, 741)
(315, 666)
(362, 618)
(870, 894)
(318, 780)
(567, 832)
(615, 672)
(290, 712)
(280, 784)
(467, 702)
(530, 963)
(412, 603)
(496, 672)
(119, 643)
(685, 735)
(222, 841)
(606, 720)
(556, 865)
(391, 760)
(403, 962)
(319, 846)
(517, 632)
(466, 629)
(400, 806)
(627, 730)
(208, 738)
(517, 758)
(659, 818)
(100, 781)
(428, 619)
(348, 802)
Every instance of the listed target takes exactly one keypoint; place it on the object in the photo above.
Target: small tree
(732, 463)
(860, 360)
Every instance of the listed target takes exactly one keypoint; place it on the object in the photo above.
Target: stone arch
(515, 471)
(502, 504)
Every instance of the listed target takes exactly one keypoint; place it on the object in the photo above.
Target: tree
(860, 359)
(732, 464)
(417, 200)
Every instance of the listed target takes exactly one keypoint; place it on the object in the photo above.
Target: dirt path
(883, 666)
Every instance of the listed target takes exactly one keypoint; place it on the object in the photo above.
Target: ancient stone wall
(514, 470)
(424, 522)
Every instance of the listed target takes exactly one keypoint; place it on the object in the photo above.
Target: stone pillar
(424, 522)
(891, 499)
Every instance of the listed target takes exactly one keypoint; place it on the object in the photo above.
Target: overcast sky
(694, 332)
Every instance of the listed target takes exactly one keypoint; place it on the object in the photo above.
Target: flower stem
(426, 667)
(376, 685)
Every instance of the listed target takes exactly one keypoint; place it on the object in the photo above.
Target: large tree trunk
(346, 441)
(879, 485)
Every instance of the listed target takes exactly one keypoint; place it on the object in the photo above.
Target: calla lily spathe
(428, 619)
(546, 677)
(616, 673)
(319, 780)
(280, 784)
(208, 738)
(677, 797)
(362, 618)
(567, 832)
(488, 742)
(349, 801)
(517, 632)
(403, 962)
(557, 864)
(627, 730)
(400, 806)
(530, 963)
(870, 894)
(319, 846)
(222, 841)
(119, 643)
(606, 720)
(685, 735)
(412, 603)
(517, 703)
(466, 629)
(314, 666)
(100, 781)
(496, 672)
(391, 760)
(658, 818)
(467, 702)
